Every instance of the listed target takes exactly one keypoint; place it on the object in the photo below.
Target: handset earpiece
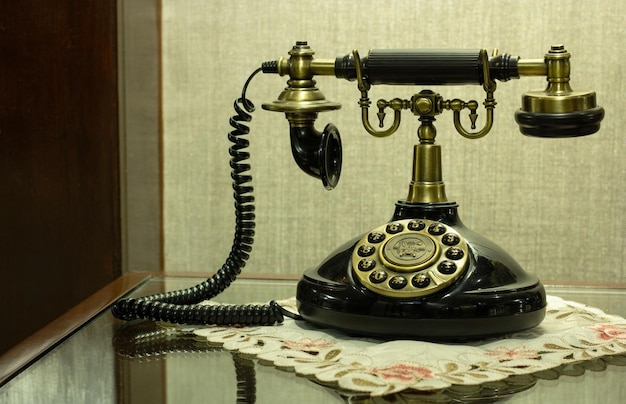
(558, 111)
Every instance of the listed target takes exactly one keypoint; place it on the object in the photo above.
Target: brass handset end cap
(545, 101)
(559, 112)
(304, 107)
(306, 100)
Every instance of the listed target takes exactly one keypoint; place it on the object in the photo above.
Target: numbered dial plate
(410, 258)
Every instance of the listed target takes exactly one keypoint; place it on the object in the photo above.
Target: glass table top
(105, 361)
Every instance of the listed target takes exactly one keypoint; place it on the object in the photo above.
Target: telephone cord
(181, 306)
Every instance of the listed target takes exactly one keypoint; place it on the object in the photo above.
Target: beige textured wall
(557, 205)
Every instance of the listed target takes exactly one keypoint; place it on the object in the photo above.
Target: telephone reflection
(422, 275)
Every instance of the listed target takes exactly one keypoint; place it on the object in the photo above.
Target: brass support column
(426, 183)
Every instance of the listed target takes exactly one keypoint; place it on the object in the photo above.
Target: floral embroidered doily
(570, 333)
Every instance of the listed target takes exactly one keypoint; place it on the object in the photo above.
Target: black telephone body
(423, 274)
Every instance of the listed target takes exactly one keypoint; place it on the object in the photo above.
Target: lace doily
(570, 333)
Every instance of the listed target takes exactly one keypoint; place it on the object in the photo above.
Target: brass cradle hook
(364, 103)
(489, 85)
(456, 105)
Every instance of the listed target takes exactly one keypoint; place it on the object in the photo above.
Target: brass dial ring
(410, 258)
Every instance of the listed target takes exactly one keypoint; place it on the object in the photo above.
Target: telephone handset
(423, 274)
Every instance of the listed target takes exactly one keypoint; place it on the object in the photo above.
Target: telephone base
(450, 329)
(492, 296)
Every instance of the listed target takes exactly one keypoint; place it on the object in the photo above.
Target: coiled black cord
(181, 306)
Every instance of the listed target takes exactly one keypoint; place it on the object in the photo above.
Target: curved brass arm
(473, 135)
(368, 127)
(365, 103)
(490, 103)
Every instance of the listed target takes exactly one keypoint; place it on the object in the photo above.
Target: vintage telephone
(424, 274)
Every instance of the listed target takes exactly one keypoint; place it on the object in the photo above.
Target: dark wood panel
(59, 191)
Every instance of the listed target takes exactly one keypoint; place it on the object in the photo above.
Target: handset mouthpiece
(301, 94)
(318, 154)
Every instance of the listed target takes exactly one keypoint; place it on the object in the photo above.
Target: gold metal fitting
(558, 96)
(301, 95)
(426, 183)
